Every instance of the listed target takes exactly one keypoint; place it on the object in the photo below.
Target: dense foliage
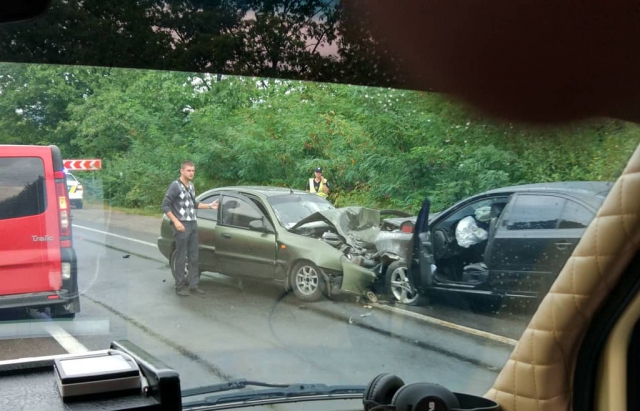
(379, 147)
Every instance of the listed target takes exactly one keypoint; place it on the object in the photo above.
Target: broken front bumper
(354, 279)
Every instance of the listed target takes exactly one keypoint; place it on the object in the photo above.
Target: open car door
(420, 269)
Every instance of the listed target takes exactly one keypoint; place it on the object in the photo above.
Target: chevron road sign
(88, 164)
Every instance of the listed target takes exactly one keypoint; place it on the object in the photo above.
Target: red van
(38, 267)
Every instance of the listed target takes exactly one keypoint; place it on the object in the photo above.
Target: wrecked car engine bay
(367, 241)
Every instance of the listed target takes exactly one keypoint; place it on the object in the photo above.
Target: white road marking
(66, 340)
(37, 329)
(116, 236)
(421, 317)
(447, 324)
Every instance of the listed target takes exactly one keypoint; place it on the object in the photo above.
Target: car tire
(79, 204)
(396, 282)
(172, 261)
(307, 281)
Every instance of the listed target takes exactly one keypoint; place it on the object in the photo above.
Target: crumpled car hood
(358, 226)
(360, 229)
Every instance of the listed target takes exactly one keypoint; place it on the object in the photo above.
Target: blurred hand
(533, 60)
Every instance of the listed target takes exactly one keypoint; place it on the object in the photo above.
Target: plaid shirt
(180, 200)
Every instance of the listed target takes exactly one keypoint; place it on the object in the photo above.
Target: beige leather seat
(539, 373)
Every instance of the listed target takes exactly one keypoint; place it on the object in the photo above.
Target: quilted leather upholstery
(538, 375)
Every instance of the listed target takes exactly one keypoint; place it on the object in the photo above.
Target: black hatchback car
(529, 232)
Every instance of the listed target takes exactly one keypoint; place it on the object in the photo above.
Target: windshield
(176, 235)
(289, 209)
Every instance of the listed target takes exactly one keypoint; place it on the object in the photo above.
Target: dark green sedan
(280, 235)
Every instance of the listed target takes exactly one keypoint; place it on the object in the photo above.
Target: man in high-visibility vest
(318, 184)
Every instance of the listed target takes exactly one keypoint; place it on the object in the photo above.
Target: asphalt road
(252, 330)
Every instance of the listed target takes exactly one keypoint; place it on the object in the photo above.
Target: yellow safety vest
(320, 191)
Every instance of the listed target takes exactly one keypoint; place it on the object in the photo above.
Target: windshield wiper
(236, 384)
(275, 393)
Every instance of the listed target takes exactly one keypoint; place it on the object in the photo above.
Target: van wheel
(397, 285)
(69, 316)
(79, 204)
(59, 312)
(307, 282)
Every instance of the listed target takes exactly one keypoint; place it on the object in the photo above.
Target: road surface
(253, 330)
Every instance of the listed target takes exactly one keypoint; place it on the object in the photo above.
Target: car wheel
(397, 285)
(172, 261)
(307, 281)
(79, 204)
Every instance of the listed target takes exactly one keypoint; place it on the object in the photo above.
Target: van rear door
(30, 256)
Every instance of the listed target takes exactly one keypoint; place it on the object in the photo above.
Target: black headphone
(387, 392)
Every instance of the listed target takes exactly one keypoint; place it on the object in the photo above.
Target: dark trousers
(187, 251)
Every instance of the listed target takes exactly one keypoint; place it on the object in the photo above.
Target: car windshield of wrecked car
(290, 209)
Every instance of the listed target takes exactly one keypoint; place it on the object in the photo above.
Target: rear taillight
(62, 201)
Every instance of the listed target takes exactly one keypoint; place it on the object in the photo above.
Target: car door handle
(562, 246)
(226, 235)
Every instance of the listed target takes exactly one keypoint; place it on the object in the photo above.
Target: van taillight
(62, 201)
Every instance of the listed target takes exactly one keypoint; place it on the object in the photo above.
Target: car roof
(589, 191)
(267, 191)
(575, 187)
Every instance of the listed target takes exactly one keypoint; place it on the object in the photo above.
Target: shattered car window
(290, 209)
(471, 210)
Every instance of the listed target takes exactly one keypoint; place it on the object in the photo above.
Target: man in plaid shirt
(180, 206)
